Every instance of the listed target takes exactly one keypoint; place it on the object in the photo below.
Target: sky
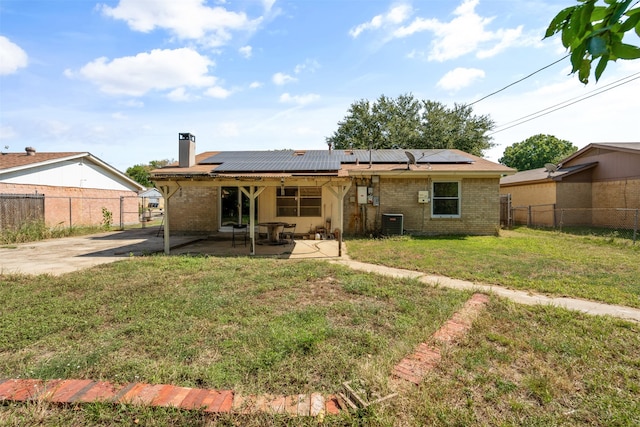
(121, 78)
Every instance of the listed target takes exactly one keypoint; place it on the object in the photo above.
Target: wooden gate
(18, 209)
(506, 221)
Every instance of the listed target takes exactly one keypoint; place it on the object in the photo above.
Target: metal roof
(323, 160)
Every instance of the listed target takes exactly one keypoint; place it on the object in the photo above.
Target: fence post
(121, 213)
(70, 223)
(555, 220)
(529, 216)
(635, 227)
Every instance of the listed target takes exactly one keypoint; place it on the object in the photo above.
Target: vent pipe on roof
(30, 151)
(186, 150)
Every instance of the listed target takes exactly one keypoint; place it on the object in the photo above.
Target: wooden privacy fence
(16, 209)
(62, 211)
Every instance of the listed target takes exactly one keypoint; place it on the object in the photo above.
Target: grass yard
(259, 325)
(591, 267)
(251, 325)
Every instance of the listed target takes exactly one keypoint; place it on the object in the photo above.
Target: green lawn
(252, 325)
(590, 267)
(287, 327)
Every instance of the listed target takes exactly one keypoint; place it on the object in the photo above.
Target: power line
(518, 81)
(564, 104)
(568, 100)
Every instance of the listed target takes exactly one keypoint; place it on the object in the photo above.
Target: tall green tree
(406, 122)
(141, 173)
(593, 32)
(535, 151)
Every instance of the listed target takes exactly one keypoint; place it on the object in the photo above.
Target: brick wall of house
(74, 206)
(624, 194)
(531, 194)
(617, 194)
(480, 208)
(193, 210)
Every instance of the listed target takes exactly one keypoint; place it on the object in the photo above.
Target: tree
(406, 122)
(590, 32)
(535, 151)
(141, 173)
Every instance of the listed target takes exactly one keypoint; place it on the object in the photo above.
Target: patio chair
(288, 232)
(240, 230)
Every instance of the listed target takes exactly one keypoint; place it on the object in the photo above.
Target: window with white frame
(445, 200)
(299, 201)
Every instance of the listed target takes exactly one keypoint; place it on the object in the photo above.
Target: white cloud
(397, 14)
(12, 57)
(246, 51)
(298, 99)
(133, 103)
(218, 92)
(179, 94)
(119, 116)
(467, 32)
(157, 70)
(255, 85)
(459, 78)
(186, 19)
(281, 79)
(310, 65)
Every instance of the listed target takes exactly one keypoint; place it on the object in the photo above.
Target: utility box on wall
(362, 195)
(392, 224)
(423, 197)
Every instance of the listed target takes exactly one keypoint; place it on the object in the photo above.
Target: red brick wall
(65, 206)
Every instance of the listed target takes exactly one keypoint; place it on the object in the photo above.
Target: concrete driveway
(59, 256)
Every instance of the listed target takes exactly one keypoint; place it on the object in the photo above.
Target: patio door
(234, 206)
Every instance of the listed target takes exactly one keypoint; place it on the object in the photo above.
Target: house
(73, 188)
(151, 199)
(362, 192)
(582, 190)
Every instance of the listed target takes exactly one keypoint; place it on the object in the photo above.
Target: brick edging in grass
(207, 400)
(413, 368)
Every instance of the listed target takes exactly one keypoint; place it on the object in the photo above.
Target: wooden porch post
(339, 193)
(252, 194)
(166, 192)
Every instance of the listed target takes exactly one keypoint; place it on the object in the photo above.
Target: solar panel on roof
(322, 160)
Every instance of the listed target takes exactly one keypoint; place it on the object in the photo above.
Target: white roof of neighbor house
(13, 166)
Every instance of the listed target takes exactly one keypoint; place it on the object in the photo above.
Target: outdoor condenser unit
(392, 224)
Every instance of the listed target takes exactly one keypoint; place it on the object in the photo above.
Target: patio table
(273, 231)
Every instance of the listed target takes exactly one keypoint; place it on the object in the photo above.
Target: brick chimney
(187, 150)
(30, 151)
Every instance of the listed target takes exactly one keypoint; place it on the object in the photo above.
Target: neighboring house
(76, 187)
(151, 199)
(352, 191)
(584, 187)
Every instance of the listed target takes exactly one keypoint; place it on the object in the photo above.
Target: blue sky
(120, 79)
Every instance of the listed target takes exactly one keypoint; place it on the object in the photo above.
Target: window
(299, 201)
(445, 202)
